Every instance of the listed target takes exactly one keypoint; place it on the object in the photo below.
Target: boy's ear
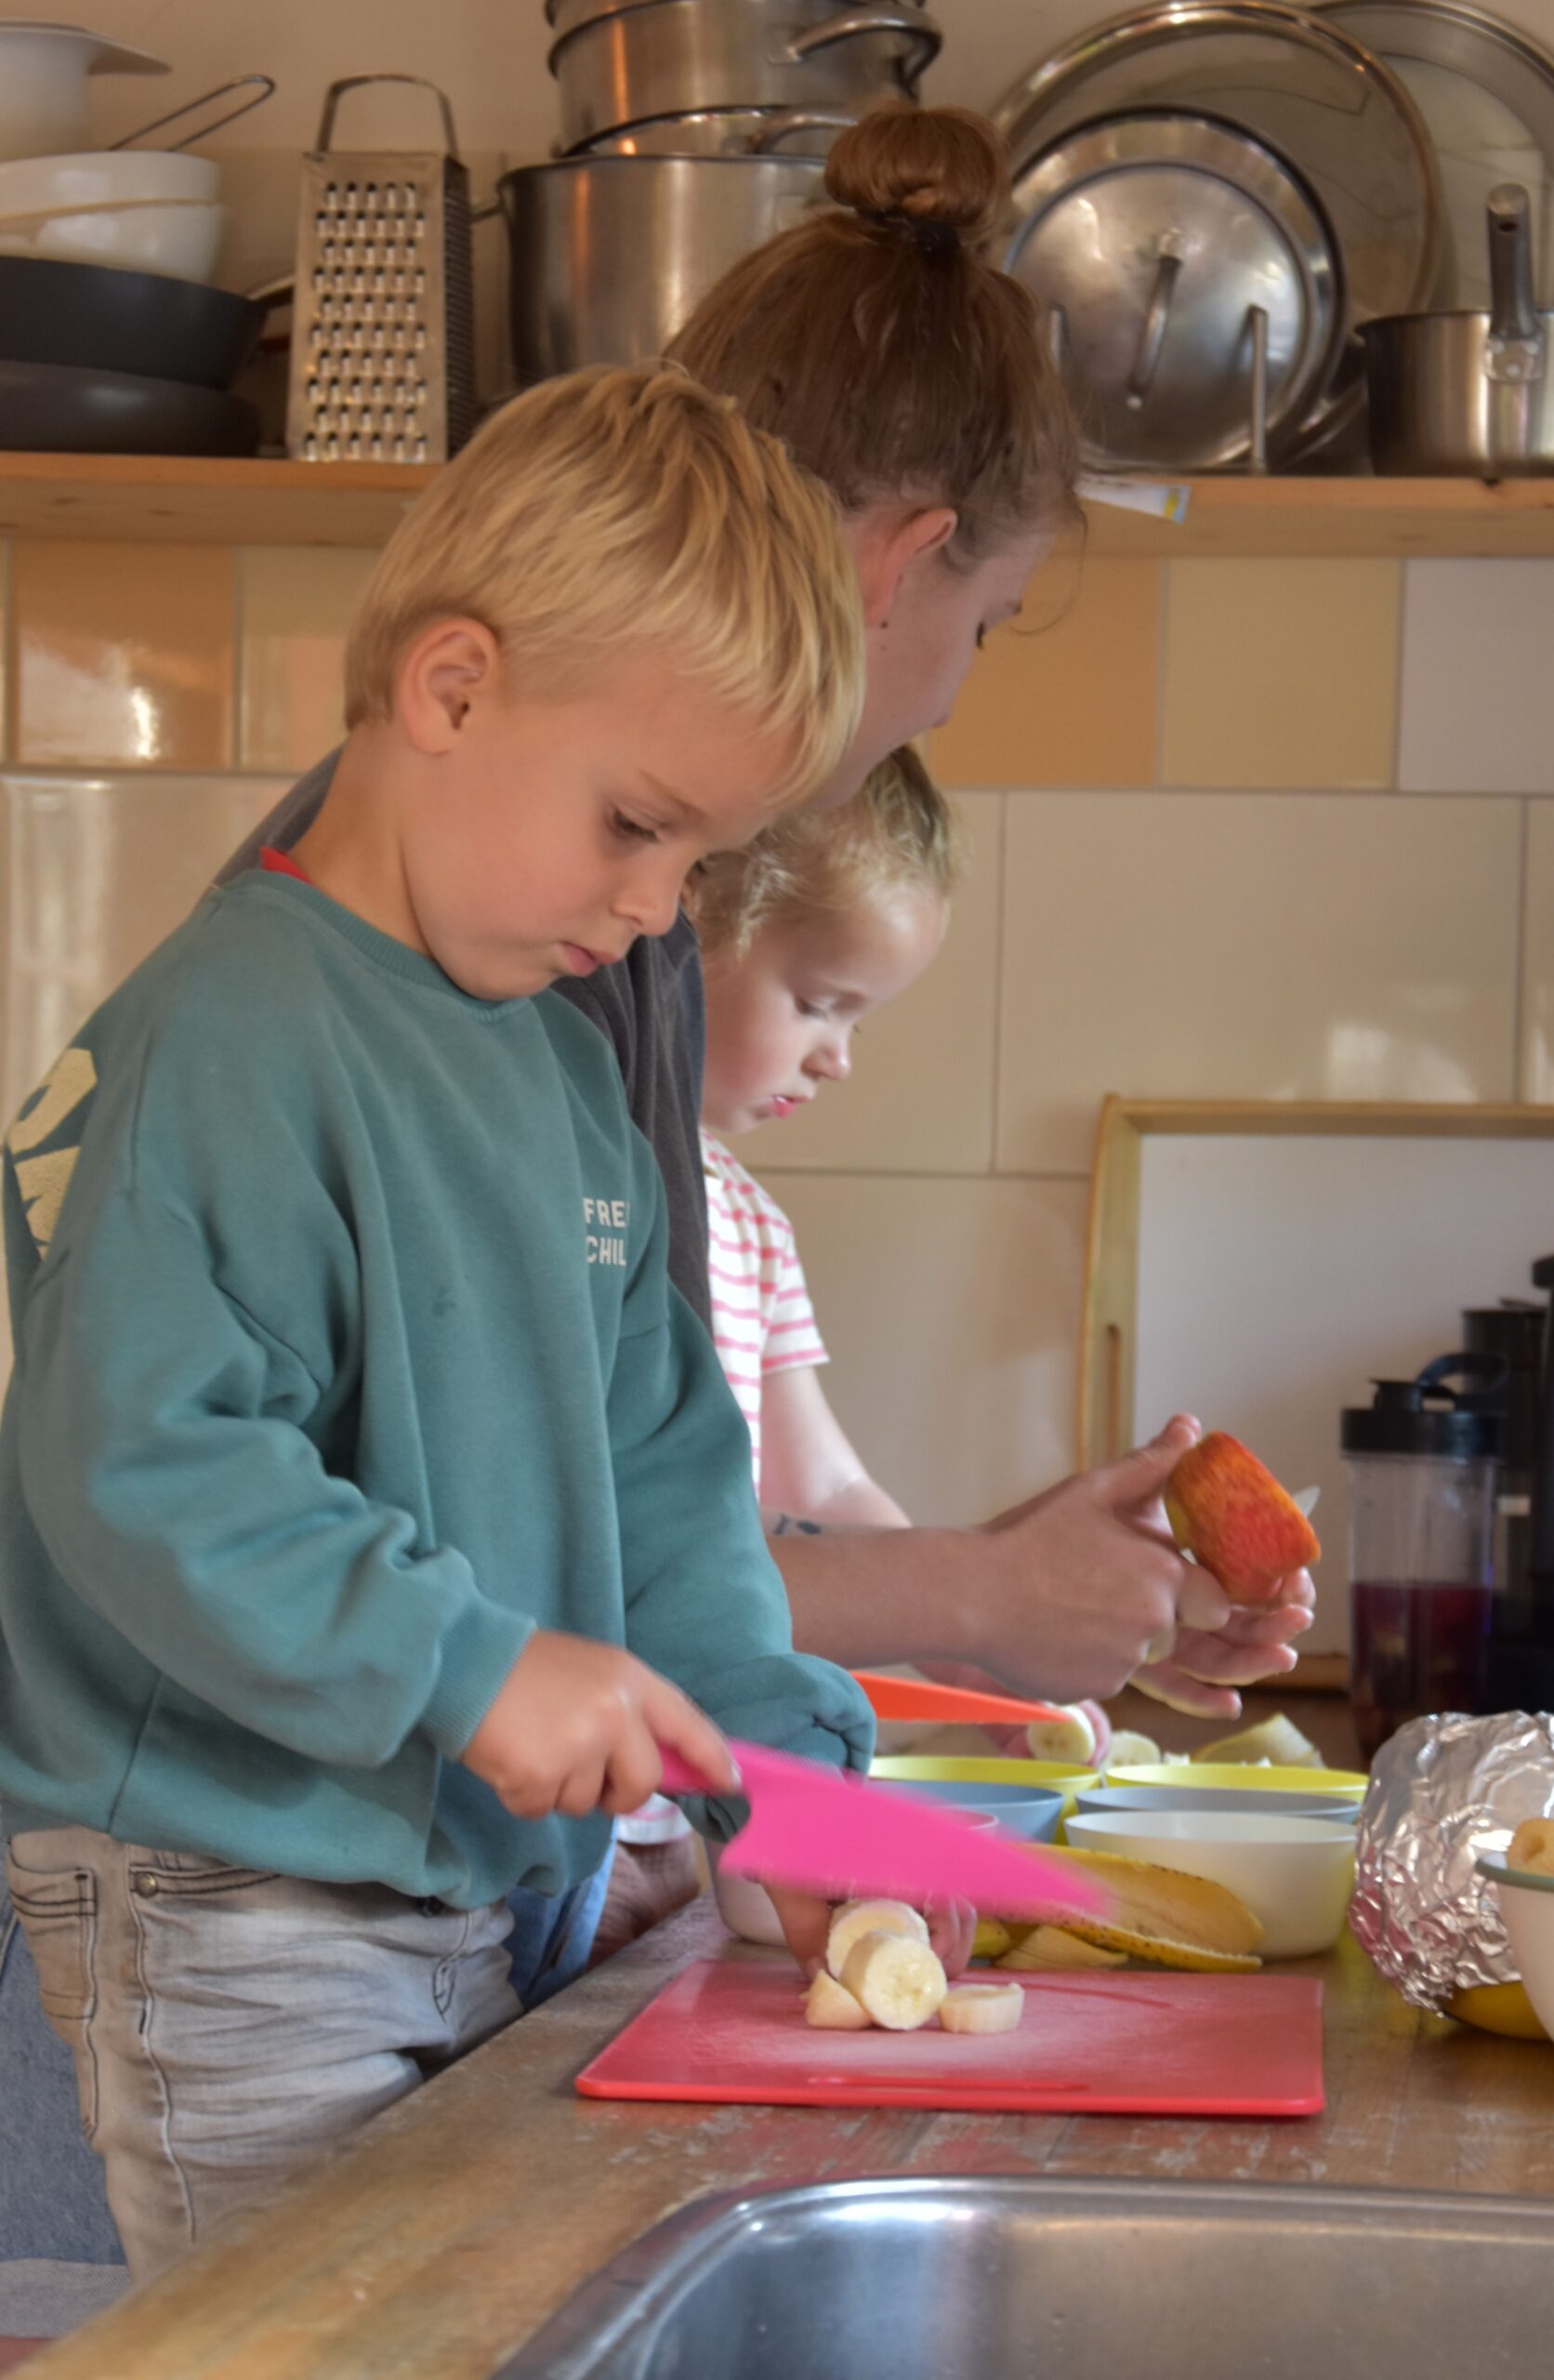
(445, 669)
(885, 542)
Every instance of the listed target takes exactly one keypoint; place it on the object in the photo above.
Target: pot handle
(1169, 258)
(875, 17)
(791, 119)
(1514, 348)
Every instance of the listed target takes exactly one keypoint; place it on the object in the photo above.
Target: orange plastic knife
(910, 1698)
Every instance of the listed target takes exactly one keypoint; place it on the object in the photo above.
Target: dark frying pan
(99, 319)
(57, 409)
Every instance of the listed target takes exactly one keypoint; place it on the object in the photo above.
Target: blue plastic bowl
(1033, 1817)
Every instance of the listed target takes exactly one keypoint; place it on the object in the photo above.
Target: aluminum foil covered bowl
(1443, 1791)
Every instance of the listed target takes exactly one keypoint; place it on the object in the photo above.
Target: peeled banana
(1532, 1848)
(1278, 1740)
(1070, 1737)
(831, 2008)
(982, 2008)
(896, 1978)
(856, 1918)
(1173, 1920)
(1054, 1947)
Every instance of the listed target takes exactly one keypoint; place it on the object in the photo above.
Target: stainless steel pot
(678, 57)
(611, 255)
(1470, 394)
(725, 132)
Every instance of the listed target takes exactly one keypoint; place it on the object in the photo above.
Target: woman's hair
(898, 834)
(880, 343)
(618, 512)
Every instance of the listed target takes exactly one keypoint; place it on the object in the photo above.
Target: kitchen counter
(457, 2224)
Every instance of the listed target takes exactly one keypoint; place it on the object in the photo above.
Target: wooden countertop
(452, 2227)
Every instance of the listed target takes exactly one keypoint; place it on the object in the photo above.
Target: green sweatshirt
(346, 1357)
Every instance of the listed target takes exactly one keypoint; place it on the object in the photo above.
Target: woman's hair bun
(938, 164)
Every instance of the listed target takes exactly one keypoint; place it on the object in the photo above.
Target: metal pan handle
(875, 17)
(262, 86)
(1170, 255)
(336, 91)
(788, 121)
(1514, 348)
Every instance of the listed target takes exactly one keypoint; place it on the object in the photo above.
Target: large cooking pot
(725, 132)
(1468, 393)
(677, 56)
(611, 255)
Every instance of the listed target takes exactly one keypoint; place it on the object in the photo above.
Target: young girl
(822, 919)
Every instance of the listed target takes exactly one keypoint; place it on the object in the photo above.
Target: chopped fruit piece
(856, 1918)
(1278, 1741)
(1233, 1516)
(1532, 1848)
(1070, 1737)
(827, 2004)
(1130, 1750)
(992, 1939)
(897, 1978)
(982, 2008)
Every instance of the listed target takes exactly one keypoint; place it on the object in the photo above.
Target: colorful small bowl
(1036, 1775)
(1032, 1814)
(1337, 1810)
(1237, 1777)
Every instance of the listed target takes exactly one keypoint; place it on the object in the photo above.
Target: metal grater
(383, 336)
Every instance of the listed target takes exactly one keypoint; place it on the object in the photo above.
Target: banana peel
(1498, 2008)
(992, 1939)
(1053, 1947)
(1159, 1914)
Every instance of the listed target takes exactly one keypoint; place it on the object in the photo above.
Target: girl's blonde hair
(622, 512)
(898, 834)
(879, 343)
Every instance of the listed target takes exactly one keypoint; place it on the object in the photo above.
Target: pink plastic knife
(824, 1831)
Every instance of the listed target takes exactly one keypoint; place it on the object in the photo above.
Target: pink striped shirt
(762, 1320)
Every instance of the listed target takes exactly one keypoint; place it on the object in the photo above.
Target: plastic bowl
(1018, 1809)
(107, 178)
(181, 240)
(745, 1907)
(1336, 1810)
(1527, 1905)
(1295, 1874)
(1036, 1776)
(1243, 1779)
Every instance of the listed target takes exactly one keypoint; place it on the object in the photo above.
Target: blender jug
(1421, 1459)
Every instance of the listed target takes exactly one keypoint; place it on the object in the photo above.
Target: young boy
(360, 1469)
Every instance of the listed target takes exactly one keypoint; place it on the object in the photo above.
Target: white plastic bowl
(106, 178)
(1527, 1905)
(44, 70)
(1295, 1874)
(181, 240)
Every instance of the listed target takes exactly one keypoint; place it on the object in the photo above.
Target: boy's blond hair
(897, 834)
(616, 513)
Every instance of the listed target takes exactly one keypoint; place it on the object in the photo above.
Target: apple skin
(1235, 1519)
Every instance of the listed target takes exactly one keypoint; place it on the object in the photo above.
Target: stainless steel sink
(1038, 2279)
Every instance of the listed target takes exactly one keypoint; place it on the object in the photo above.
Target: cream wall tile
(1536, 1081)
(1271, 946)
(99, 871)
(1069, 694)
(950, 1310)
(1478, 677)
(920, 1096)
(294, 603)
(124, 656)
(1280, 673)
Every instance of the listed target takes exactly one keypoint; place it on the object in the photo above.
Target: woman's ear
(886, 541)
(446, 668)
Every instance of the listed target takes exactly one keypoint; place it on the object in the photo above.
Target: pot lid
(106, 56)
(1154, 237)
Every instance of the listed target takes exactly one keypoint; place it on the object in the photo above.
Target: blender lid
(1423, 1416)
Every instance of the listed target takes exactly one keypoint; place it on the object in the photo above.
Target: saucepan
(1468, 393)
(725, 132)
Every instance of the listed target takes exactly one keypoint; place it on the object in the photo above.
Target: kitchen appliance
(43, 73)
(1194, 287)
(661, 57)
(1092, 2044)
(1305, 88)
(610, 256)
(63, 409)
(1422, 1457)
(1520, 1658)
(137, 323)
(1468, 393)
(383, 326)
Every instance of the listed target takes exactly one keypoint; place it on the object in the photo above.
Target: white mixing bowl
(181, 240)
(1295, 1874)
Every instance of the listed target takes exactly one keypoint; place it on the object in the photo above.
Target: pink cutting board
(1087, 2044)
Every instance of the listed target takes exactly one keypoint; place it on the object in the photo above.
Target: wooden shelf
(176, 500)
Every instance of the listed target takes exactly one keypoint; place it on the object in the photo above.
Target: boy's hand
(576, 1727)
(806, 1922)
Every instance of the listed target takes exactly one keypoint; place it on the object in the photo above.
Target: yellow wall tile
(293, 608)
(1281, 674)
(124, 656)
(1069, 700)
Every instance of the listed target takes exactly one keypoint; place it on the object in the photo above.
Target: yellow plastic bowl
(1344, 1784)
(930, 1768)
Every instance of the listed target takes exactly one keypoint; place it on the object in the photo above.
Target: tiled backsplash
(1240, 828)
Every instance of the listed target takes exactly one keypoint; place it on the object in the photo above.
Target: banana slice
(1532, 1848)
(1129, 1749)
(896, 1978)
(1277, 1741)
(1050, 1946)
(1070, 1738)
(856, 1918)
(982, 2008)
(833, 2010)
